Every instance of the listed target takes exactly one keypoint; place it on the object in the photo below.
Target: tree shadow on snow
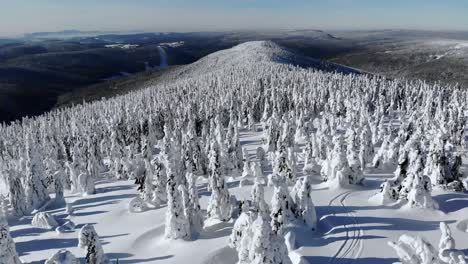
(218, 230)
(152, 260)
(322, 259)
(107, 198)
(89, 213)
(114, 188)
(452, 202)
(380, 223)
(26, 247)
(121, 257)
(96, 205)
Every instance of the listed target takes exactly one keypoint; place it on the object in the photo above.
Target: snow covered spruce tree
(218, 207)
(266, 245)
(443, 166)
(336, 169)
(177, 224)
(282, 167)
(36, 188)
(305, 209)
(414, 250)
(447, 247)
(283, 209)
(62, 257)
(89, 240)
(8, 254)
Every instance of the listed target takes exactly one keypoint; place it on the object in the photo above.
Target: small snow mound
(297, 259)
(44, 220)
(68, 226)
(63, 256)
(290, 239)
(463, 226)
(137, 205)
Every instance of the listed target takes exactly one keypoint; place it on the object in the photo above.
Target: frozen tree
(283, 209)
(247, 169)
(305, 208)
(310, 164)
(258, 198)
(159, 193)
(272, 133)
(447, 248)
(419, 195)
(261, 156)
(218, 206)
(442, 166)
(8, 253)
(177, 225)
(62, 256)
(237, 240)
(89, 240)
(59, 188)
(339, 173)
(86, 180)
(44, 220)
(148, 187)
(414, 250)
(17, 195)
(267, 246)
(196, 216)
(282, 168)
(36, 188)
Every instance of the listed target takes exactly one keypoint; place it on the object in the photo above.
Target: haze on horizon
(25, 16)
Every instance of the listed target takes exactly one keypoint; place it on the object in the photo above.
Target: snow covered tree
(159, 193)
(283, 209)
(246, 168)
(282, 168)
(305, 209)
(310, 164)
(240, 237)
(258, 198)
(266, 245)
(447, 247)
(36, 188)
(196, 216)
(8, 253)
(442, 166)
(148, 187)
(177, 225)
(414, 250)
(89, 240)
(218, 206)
(62, 256)
(17, 195)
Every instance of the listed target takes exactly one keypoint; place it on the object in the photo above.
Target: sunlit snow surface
(350, 227)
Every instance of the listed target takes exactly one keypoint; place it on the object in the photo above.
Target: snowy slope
(351, 228)
(252, 53)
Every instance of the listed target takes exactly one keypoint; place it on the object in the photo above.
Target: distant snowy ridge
(250, 54)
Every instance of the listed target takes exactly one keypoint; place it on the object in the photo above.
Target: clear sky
(21, 16)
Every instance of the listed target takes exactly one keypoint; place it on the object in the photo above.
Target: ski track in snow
(351, 248)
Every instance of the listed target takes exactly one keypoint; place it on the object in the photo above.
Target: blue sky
(21, 16)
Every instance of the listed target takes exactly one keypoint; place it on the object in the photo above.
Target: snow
(122, 46)
(173, 44)
(349, 228)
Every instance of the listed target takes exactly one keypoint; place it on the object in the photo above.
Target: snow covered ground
(351, 229)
